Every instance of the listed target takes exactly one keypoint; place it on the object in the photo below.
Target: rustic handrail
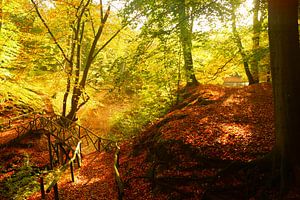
(75, 132)
(119, 182)
(63, 168)
(6, 123)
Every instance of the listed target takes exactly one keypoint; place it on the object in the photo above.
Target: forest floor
(204, 148)
(210, 146)
(94, 180)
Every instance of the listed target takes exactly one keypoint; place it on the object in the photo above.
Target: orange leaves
(222, 123)
(241, 118)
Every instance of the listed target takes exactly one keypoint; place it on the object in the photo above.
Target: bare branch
(49, 31)
(221, 68)
(101, 11)
(84, 101)
(92, 23)
(107, 42)
(113, 36)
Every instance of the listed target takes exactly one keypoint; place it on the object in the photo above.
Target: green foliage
(9, 44)
(148, 107)
(17, 99)
(145, 63)
(5, 74)
(22, 40)
(21, 184)
(152, 74)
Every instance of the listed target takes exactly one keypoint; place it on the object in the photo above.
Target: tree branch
(84, 102)
(107, 42)
(49, 31)
(221, 69)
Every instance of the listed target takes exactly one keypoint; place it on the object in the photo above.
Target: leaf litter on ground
(212, 124)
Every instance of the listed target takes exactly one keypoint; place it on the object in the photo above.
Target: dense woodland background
(153, 76)
(145, 50)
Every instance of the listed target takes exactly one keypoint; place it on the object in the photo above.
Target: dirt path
(94, 180)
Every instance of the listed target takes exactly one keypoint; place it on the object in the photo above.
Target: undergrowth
(145, 109)
(20, 184)
(17, 100)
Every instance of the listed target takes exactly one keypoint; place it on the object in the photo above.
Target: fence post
(72, 171)
(50, 151)
(55, 188)
(119, 183)
(43, 196)
(78, 156)
(99, 144)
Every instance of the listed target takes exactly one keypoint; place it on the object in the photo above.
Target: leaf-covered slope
(16, 100)
(183, 152)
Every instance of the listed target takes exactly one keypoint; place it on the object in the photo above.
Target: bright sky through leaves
(245, 19)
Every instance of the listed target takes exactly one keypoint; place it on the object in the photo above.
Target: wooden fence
(65, 146)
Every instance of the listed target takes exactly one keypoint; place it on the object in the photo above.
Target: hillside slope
(201, 149)
(17, 99)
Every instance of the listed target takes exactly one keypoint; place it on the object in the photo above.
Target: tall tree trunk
(239, 44)
(285, 66)
(69, 68)
(186, 42)
(78, 90)
(255, 40)
(1, 14)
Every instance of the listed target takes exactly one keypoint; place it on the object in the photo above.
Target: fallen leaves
(220, 122)
(213, 123)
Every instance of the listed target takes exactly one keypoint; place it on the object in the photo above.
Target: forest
(146, 99)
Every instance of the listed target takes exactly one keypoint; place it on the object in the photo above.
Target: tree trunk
(1, 14)
(255, 40)
(78, 88)
(69, 69)
(186, 42)
(285, 66)
(239, 44)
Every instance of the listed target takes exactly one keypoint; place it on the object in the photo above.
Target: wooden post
(56, 149)
(99, 144)
(50, 152)
(72, 171)
(55, 188)
(119, 182)
(43, 196)
(78, 156)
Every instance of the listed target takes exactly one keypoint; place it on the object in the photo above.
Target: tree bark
(285, 67)
(186, 42)
(1, 14)
(255, 41)
(75, 45)
(239, 44)
(78, 89)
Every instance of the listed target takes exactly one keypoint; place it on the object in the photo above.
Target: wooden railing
(119, 182)
(9, 123)
(63, 141)
(53, 183)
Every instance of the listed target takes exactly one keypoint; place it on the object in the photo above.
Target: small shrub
(21, 184)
